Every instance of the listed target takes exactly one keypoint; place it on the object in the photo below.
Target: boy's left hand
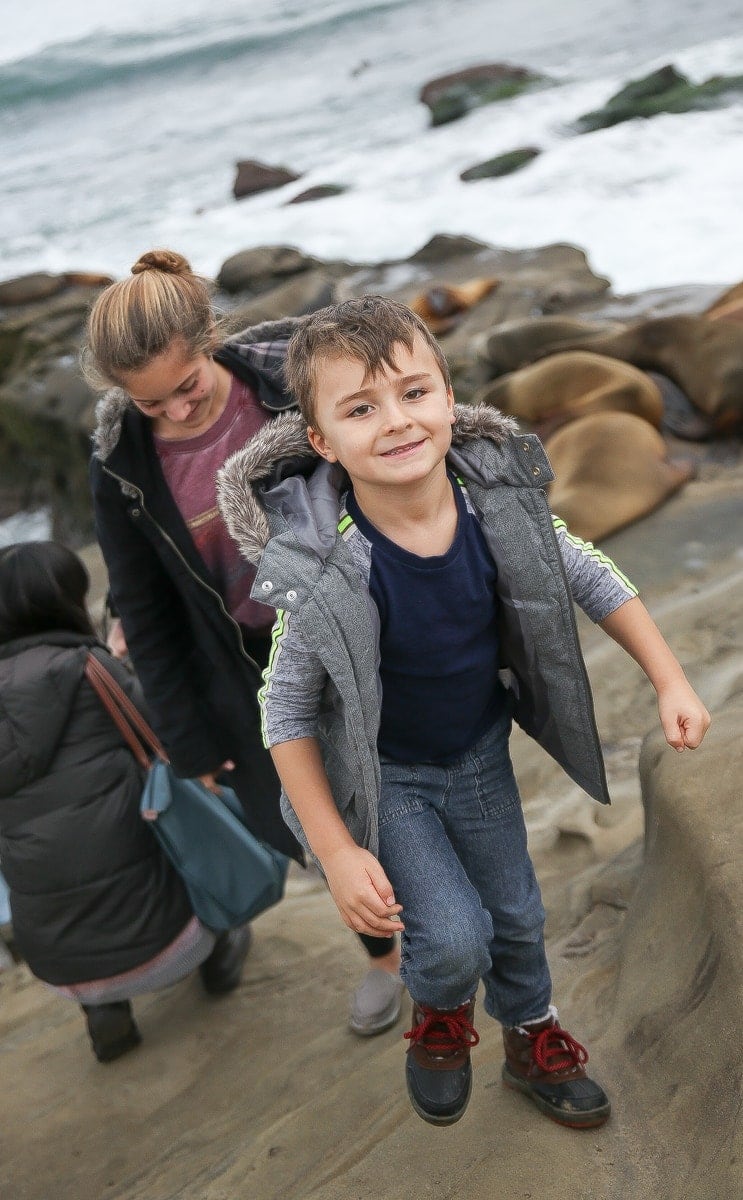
(683, 717)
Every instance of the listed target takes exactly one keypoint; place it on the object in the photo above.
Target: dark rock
(253, 176)
(39, 286)
(452, 96)
(503, 164)
(260, 268)
(28, 289)
(640, 99)
(320, 192)
(443, 246)
(656, 84)
(298, 295)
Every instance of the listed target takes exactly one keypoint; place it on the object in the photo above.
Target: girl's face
(183, 394)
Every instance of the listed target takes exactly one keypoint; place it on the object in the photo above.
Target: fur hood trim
(109, 413)
(285, 438)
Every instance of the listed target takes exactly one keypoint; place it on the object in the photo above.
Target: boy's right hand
(362, 892)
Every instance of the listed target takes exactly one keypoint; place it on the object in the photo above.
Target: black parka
(91, 893)
(199, 679)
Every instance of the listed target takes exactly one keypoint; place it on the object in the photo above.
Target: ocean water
(120, 126)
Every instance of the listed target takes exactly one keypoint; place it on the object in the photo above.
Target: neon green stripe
(279, 628)
(344, 523)
(590, 551)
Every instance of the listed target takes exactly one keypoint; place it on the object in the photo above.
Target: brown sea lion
(443, 305)
(610, 469)
(563, 387)
(731, 300)
(515, 344)
(727, 312)
(705, 358)
(86, 279)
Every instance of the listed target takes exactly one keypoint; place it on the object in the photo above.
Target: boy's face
(389, 430)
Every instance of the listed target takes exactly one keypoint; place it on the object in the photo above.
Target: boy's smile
(392, 429)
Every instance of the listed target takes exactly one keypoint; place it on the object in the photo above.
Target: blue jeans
(452, 841)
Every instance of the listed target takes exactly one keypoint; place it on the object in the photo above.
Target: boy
(423, 597)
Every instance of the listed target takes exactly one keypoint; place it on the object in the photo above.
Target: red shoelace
(554, 1049)
(444, 1031)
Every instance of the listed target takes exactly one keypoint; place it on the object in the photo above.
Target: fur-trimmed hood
(281, 448)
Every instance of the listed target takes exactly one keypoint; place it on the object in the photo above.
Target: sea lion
(517, 343)
(563, 387)
(730, 302)
(443, 305)
(86, 279)
(610, 469)
(704, 357)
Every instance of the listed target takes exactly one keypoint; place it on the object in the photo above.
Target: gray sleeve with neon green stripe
(292, 688)
(596, 583)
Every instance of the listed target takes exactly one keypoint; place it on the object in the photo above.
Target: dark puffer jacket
(91, 893)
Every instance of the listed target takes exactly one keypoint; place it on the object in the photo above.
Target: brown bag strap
(140, 738)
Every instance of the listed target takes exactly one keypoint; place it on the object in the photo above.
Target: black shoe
(548, 1065)
(111, 1029)
(222, 970)
(438, 1071)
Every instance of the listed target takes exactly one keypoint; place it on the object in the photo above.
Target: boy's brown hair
(365, 329)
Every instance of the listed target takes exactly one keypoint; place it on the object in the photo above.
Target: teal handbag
(230, 875)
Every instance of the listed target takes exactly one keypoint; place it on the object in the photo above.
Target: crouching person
(97, 910)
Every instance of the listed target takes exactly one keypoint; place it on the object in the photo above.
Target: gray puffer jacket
(323, 677)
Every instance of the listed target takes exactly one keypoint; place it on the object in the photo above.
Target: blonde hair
(136, 319)
(365, 329)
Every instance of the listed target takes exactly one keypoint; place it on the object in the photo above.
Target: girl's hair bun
(162, 260)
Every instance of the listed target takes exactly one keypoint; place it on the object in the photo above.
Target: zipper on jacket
(187, 565)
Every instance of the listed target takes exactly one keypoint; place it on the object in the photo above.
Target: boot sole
(586, 1120)
(434, 1119)
(113, 1050)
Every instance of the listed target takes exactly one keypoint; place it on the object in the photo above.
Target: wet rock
(443, 246)
(322, 191)
(253, 176)
(664, 91)
(451, 96)
(257, 269)
(301, 294)
(29, 289)
(41, 285)
(503, 164)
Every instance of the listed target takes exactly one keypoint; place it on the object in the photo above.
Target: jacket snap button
(525, 446)
(266, 585)
(135, 512)
(536, 471)
(291, 596)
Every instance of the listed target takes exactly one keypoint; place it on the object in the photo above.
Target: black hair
(43, 586)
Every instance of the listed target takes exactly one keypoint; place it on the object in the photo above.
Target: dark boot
(222, 970)
(437, 1069)
(111, 1029)
(547, 1064)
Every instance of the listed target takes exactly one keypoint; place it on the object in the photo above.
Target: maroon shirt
(190, 468)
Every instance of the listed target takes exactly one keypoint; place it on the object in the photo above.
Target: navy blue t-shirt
(438, 641)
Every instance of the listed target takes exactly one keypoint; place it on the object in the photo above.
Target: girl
(182, 401)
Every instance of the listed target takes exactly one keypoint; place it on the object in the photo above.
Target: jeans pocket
(399, 791)
(495, 783)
